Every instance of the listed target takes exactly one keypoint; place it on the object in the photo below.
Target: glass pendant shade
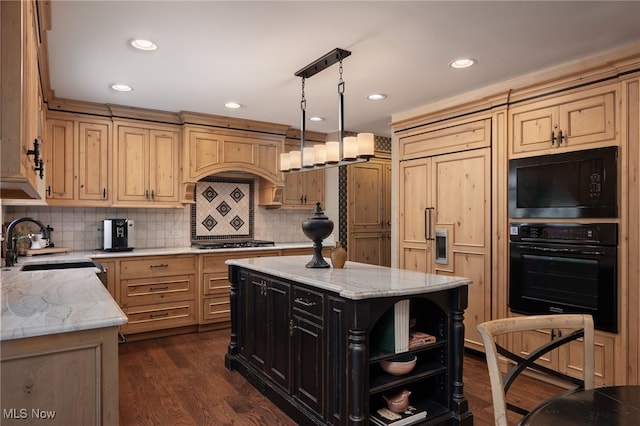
(295, 160)
(284, 162)
(308, 157)
(333, 152)
(365, 145)
(320, 154)
(350, 148)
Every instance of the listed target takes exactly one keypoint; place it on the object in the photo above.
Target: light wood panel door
(148, 166)
(445, 225)
(59, 159)
(302, 190)
(368, 212)
(94, 163)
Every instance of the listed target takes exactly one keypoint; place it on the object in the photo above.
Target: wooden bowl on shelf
(399, 365)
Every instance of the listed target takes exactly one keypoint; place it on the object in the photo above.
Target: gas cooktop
(231, 244)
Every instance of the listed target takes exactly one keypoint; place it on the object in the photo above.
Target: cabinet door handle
(104, 193)
(162, 265)
(553, 137)
(163, 314)
(292, 327)
(153, 195)
(304, 302)
(146, 194)
(560, 137)
(49, 190)
(166, 287)
(427, 230)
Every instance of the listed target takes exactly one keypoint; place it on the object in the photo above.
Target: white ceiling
(211, 52)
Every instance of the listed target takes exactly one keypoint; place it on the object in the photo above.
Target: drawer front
(215, 284)
(159, 317)
(216, 309)
(157, 290)
(157, 266)
(308, 302)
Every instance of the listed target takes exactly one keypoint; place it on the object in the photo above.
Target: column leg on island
(358, 369)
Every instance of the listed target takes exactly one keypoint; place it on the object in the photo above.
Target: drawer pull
(166, 287)
(160, 315)
(304, 302)
(162, 265)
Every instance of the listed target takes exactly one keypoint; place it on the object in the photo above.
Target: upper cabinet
(210, 151)
(303, 190)
(586, 119)
(78, 160)
(147, 165)
(20, 108)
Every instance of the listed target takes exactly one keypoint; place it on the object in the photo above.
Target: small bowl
(399, 365)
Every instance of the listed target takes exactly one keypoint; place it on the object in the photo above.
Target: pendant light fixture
(346, 150)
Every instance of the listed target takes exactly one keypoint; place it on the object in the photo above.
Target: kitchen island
(313, 340)
(59, 347)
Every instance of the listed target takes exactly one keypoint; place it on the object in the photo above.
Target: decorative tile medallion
(223, 209)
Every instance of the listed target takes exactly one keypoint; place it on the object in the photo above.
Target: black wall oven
(565, 268)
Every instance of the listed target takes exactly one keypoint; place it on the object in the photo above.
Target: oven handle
(562, 250)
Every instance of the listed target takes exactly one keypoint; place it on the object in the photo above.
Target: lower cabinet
(568, 359)
(61, 379)
(158, 292)
(308, 347)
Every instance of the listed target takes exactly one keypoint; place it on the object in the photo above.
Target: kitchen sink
(72, 264)
(60, 265)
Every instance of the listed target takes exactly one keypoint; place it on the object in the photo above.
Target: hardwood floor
(181, 380)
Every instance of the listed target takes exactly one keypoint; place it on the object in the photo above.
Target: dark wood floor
(181, 380)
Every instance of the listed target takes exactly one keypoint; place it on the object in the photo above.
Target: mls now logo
(23, 413)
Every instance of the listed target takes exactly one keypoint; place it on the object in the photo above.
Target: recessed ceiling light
(462, 63)
(142, 44)
(233, 105)
(121, 87)
(316, 119)
(376, 96)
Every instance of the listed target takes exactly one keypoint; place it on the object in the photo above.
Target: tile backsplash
(81, 228)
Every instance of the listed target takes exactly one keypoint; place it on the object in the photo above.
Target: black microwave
(579, 184)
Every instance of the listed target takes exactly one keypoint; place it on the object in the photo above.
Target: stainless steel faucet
(11, 257)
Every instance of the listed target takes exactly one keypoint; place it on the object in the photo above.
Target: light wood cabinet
(78, 161)
(369, 212)
(568, 359)
(302, 190)
(148, 173)
(66, 379)
(445, 223)
(20, 110)
(586, 119)
(209, 151)
(157, 292)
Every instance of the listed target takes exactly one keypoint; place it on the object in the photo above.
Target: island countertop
(37, 303)
(356, 280)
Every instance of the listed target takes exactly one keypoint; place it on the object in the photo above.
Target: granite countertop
(37, 303)
(356, 280)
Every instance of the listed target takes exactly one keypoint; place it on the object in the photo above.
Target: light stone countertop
(36, 303)
(356, 280)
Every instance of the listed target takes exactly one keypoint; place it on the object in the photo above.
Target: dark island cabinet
(318, 355)
(267, 313)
